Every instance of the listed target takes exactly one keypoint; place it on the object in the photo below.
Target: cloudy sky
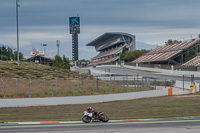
(45, 21)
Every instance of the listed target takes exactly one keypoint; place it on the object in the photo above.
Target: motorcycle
(88, 117)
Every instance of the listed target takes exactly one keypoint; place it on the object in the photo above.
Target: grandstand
(110, 45)
(193, 62)
(178, 53)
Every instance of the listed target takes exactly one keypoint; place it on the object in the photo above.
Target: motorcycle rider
(95, 114)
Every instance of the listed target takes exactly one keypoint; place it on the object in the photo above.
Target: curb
(79, 122)
(38, 123)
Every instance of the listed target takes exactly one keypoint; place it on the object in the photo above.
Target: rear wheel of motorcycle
(105, 118)
(86, 119)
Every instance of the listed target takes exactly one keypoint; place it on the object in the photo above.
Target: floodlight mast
(58, 45)
(17, 5)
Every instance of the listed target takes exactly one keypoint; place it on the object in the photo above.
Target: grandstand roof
(193, 62)
(177, 46)
(166, 52)
(107, 36)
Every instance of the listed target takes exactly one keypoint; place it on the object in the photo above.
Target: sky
(153, 22)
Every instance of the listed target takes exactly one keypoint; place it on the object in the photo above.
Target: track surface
(146, 74)
(129, 126)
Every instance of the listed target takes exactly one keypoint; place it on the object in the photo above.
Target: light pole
(44, 51)
(17, 5)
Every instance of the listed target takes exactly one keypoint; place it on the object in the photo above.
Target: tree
(199, 35)
(171, 42)
(66, 63)
(61, 62)
(7, 54)
(132, 55)
(21, 56)
(57, 62)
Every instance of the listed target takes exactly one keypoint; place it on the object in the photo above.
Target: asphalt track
(189, 125)
(147, 74)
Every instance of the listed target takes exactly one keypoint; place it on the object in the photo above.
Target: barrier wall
(87, 71)
(23, 102)
(179, 84)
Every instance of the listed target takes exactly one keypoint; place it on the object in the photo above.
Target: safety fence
(168, 67)
(58, 87)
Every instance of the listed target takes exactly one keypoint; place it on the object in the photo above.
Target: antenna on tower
(58, 45)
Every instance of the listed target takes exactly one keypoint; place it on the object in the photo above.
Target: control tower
(74, 29)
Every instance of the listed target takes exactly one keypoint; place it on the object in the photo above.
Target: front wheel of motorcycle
(86, 119)
(105, 118)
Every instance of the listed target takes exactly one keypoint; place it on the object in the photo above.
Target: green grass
(159, 107)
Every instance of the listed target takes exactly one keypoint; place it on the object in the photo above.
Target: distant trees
(171, 42)
(6, 53)
(84, 60)
(61, 62)
(199, 36)
(131, 55)
(21, 56)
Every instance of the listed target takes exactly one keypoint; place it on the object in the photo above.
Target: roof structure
(110, 44)
(166, 52)
(193, 62)
(105, 37)
(40, 59)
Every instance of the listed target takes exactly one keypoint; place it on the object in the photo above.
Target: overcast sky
(45, 21)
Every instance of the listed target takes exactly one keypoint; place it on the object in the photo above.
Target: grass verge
(159, 107)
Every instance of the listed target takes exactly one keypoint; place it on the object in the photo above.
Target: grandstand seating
(109, 52)
(110, 45)
(177, 46)
(166, 52)
(156, 57)
(104, 61)
(193, 62)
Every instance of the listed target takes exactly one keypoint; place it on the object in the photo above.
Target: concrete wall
(87, 71)
(179, 84)
(23, 102)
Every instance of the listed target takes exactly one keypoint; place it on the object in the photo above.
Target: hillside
(33, 70)
(36, 80)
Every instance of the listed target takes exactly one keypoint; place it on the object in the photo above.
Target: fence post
(155, 83)
(17, 86)
(82, 82)
(127, 83)
(74, 90)
(137, 79)
(93, 88)
(4, 91)
(56, 84)
(183, 83)
(29, 87)
(97, 83)
(135, 84)
(110, 84)
(52, 91)
(44, 84)
(142, 84)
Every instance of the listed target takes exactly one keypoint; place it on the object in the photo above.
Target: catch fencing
(78, 86)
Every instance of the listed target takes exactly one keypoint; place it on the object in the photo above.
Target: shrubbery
(61, 62)
(131, 55)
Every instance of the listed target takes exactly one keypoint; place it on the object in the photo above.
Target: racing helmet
(89, 108)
